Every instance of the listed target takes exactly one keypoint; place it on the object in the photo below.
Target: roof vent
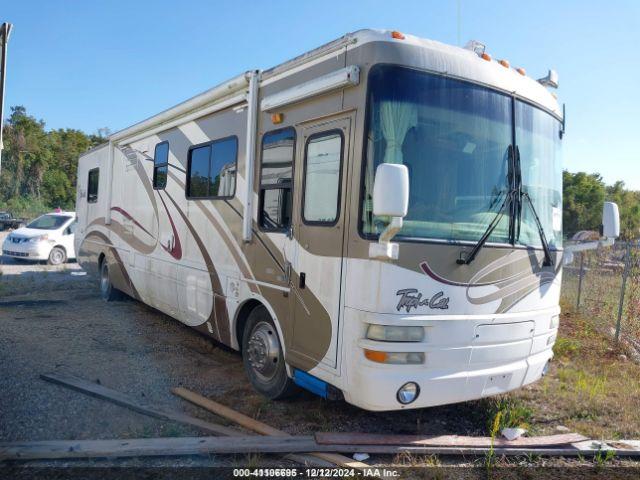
(551, 80)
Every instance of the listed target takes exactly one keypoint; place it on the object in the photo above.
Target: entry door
(318, 233)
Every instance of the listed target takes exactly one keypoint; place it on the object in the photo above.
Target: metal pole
(5, 31)
(580, 280)
(627, 266)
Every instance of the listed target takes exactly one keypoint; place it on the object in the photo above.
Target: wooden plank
(113, 396)
(338, 438)
(259, 427)
(152, 447)
(180, 446)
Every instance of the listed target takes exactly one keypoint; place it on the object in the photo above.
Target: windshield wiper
(492, 226)
(548, 260)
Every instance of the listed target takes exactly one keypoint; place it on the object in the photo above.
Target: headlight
(39, 238)
(386, 333)
(395, 358)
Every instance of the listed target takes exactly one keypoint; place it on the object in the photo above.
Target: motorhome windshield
(454, 137)
(49, 222)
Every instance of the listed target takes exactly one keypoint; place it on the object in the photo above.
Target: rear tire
(108, 292)
(263, 358)
(57, 256)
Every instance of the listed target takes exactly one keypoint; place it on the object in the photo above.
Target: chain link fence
(604, 285)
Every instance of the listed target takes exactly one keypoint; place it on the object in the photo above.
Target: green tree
(583, 196)
(40, 167)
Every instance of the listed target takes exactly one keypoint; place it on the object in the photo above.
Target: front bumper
(465, 358)
(26, 250)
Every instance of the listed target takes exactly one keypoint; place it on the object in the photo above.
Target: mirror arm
(395, 225)
(384, 249)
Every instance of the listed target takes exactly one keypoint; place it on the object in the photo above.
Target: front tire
(108, 292)
(57, 256)
(263, 358)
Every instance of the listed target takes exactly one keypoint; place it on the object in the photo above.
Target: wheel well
(242, 316)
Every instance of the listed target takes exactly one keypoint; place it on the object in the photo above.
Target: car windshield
(49, 222)
(454, 137)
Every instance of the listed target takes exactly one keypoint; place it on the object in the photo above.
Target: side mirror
(390, 199)
(610, 220)
(391, 190)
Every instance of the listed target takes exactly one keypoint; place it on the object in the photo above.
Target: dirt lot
(53, 320)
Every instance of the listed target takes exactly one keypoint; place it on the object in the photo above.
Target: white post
(252, 128)
(4, 37)
(109, 183)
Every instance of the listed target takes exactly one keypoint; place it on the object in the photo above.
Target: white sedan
(49, 237)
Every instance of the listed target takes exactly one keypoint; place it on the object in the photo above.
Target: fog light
(551, 340)
(408, 393)
(555, 320)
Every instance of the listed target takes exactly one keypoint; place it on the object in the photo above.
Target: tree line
(39, 166)
(39, 174)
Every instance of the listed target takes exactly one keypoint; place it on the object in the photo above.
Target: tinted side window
(323, 159)
(160, 165)
(278, 149)
(211, 170)
(92, 185)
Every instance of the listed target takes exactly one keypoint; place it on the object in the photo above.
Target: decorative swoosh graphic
(128, 216)
(176, 249)
(510, 287)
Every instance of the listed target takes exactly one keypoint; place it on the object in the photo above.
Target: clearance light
(408, 393)
(397, 35)
(521, 71)
(386, 333)
(395, 358)
(486, 56)
(504, 63)
(277, 118)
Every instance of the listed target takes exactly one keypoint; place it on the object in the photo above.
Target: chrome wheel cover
(263, 351)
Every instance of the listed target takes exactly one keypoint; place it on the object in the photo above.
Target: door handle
(302, 281)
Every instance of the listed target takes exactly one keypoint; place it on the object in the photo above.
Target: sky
(111, 63)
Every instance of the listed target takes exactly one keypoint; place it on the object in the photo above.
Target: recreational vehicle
(379, 220)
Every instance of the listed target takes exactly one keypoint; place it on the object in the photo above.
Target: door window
(322, 167)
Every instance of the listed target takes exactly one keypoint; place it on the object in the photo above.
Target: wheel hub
(263, 351)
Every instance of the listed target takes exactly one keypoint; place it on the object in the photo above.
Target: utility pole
(5, 32)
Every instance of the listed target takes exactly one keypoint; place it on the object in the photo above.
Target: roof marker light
(486, 56)
(521, 71)
(397, 35)
(504, 63)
